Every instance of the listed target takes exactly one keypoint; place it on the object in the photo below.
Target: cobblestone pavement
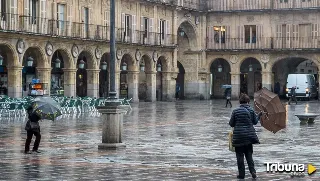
(184, 140)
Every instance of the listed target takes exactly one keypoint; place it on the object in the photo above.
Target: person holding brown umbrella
(244, 134)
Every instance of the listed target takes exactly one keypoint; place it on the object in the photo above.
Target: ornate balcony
(271, 43)
(66, 29)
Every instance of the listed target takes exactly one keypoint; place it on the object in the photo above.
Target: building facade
(196, 45)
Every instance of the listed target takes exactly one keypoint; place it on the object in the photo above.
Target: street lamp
(30, 61)
(124, 66)
(159, 67)
(1, 60)
(181, 32)
(104, 65)
(57, 63)
(219, 68)
(250, 68)
(142, 67)
(81, 64)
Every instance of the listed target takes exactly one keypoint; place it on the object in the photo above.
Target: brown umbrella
(275, 115)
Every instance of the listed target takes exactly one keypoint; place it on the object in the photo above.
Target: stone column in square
(15, 81)
(133, 85)
(69, 83)
(44, 74)
(168, 86)
(235, 82)
(93, 82)
(267, 80)
(151, 86)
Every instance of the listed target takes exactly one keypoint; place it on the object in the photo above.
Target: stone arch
(8, 52)
(244, 58)
(39, 56)
(220, 70)
(66, 56)
(190, 33)
(164, 63)
(277, 59)
(129, 60)
(218, 58)
(90, 59)
(148, 62)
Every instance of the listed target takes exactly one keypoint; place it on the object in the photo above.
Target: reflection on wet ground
(165, 141)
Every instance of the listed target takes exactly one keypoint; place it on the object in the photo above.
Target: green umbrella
(46, 108)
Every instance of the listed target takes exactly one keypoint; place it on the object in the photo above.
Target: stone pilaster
(204, 85)
(70, 82)
(15, 82)
(235, 82)
(133, 85)
(151, 86)
(168, 86)
(93, 82)
(44, 74)
(267, 80)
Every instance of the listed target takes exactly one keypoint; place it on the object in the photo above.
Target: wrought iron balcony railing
(67, 29)
(188, 4)
(264, 43)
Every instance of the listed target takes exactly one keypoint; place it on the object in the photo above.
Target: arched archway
(84, 62)
(187, 38)
(128, 78)
(250, 77)
(145, 79)
(8, 59)
(161, 66)
(33, 58)
(292, 65)
(104, 75)
(220, 75)
(59, 61)
(180, 82)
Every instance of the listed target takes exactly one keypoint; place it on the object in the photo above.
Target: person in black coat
(244, 134)
(227, 95)
(32, 128)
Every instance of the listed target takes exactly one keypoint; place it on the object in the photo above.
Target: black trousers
(293, 98)
(247, 152)
(228, 102)
(29, 138)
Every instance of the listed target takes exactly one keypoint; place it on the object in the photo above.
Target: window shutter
(279, 36)
(288, 35)
(43, 15)
(314, 35)
(106, 18)
(26, 8)
(13, 7)
(168, 32)
(134, 26)
(159, 26)
(295, 36)
(151, 31)
(142, 23)
(69, 19)
(259, 39)
(123, 19)
(241, 39)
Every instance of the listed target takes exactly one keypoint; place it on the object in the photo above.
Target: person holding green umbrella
(32, 128)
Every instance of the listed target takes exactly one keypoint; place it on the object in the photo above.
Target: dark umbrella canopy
(275, 115)
(46, 108)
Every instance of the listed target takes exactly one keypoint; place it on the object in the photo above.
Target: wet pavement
(184, 140)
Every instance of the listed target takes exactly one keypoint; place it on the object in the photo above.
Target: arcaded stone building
(197, 45)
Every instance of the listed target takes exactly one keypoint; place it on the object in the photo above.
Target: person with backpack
(244, 135)
(32, 128)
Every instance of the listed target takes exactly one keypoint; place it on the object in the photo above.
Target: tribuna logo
(294, 169)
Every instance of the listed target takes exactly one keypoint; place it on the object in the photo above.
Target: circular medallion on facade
(20, 46)
(234, 59)
(155, 56)
(75, 51)
(119, 54)
(265, 58)
(138, 55)
(49, 49)
(98, 52)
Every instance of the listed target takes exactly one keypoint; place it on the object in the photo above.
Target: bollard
(112, 115)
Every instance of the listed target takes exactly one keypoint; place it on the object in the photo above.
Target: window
(60, 15)
(310, 71)
(127, 26)
(283, 1)
(306, 0)
(301, 70)
(33, 11)
(162, 28)
(145, 25)
(250, 33)
(219, 34)
(3, 9)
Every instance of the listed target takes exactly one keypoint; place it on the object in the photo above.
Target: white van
(305, 85)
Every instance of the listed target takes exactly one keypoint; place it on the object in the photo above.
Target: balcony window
(60, 15)
(250, 33)
(145, 25)
(33, 11)
(162, 28)
(3, 9)
(219, 34)
(284, 1)
(301, 70)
